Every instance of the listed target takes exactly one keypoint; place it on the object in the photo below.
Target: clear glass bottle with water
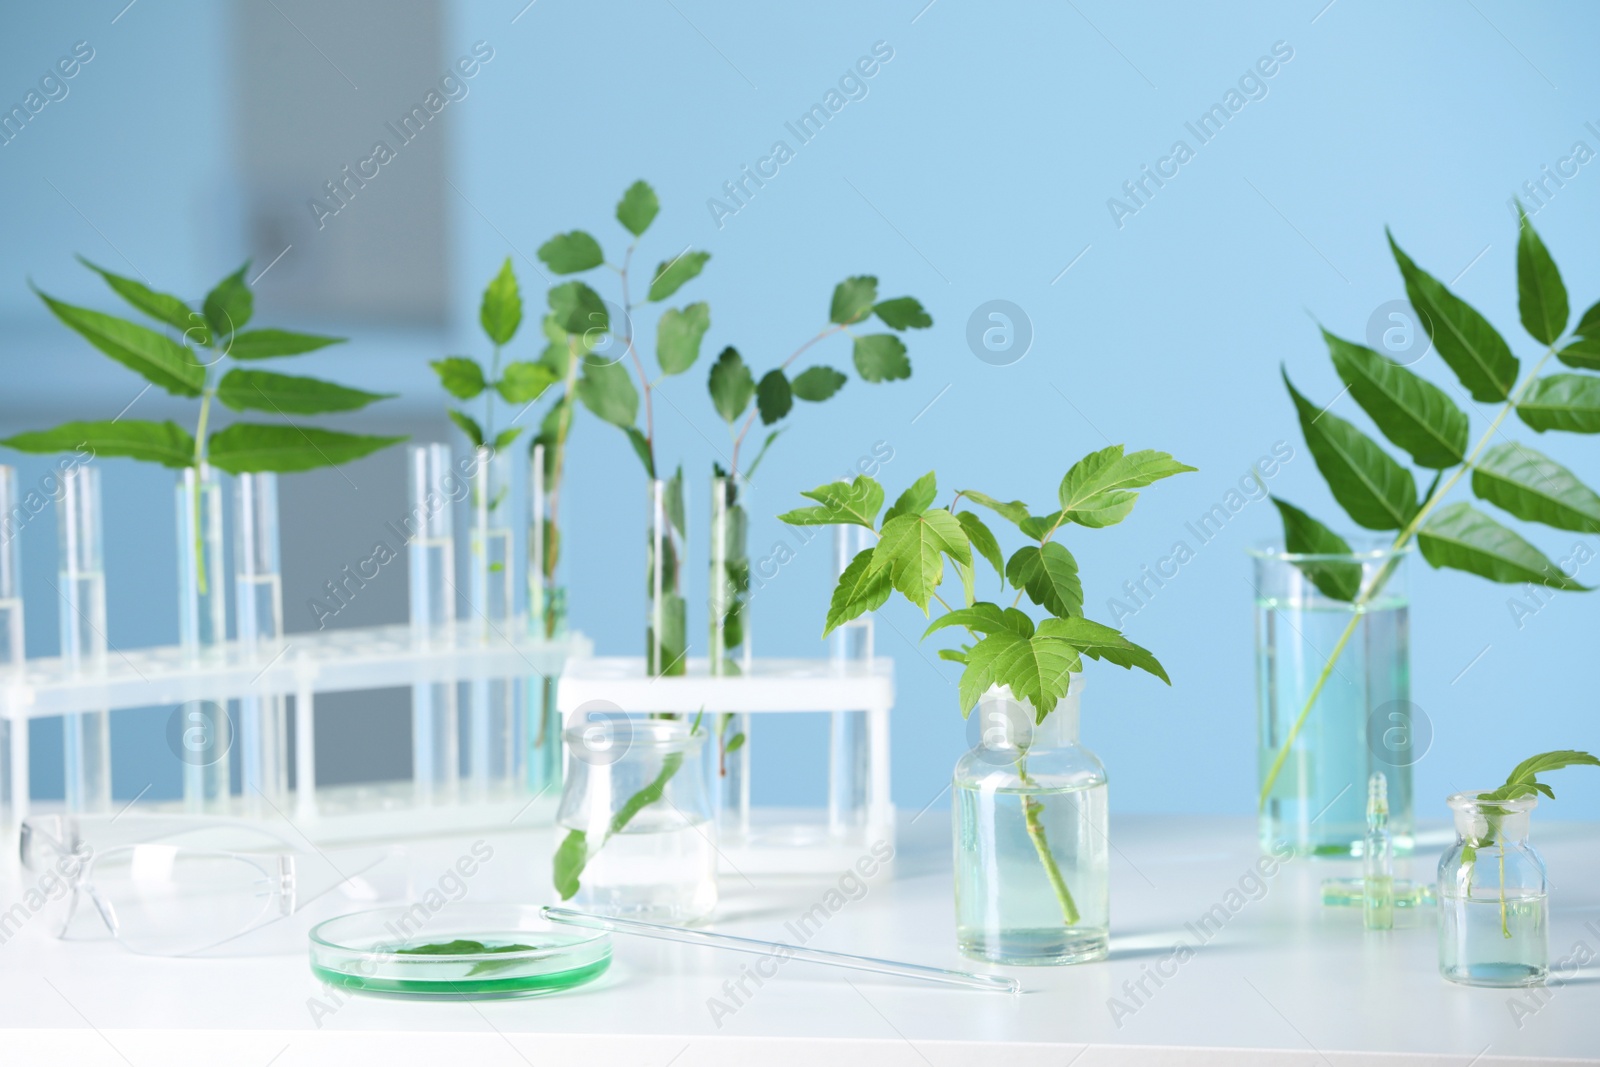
(1494, 913)
(635, 789)
(81, 574)
(1361, 721)
(1032, 856)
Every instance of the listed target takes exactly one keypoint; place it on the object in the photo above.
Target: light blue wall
(977, 167)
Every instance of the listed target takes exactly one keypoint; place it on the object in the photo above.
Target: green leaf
(983, 541)
(731, 385)
(1038, 669)
(288, 394)
(1375, 490)
(1541, 298)
(1039, 527)
(916, 499)
(1568, 402)
(881, 357)
(162, 307)
(606, 390)
(774, 398)
(638, 207)
(1584, 353)
(570, 859)
(578, 309)
(1461, 537)
(1016, 511)
(461, 376)
(1049, 575)
(1411, 411)
(674, 500)
(524, 382)
(1096, 491)
(501, 311)
(229, 306)
(641, 448)
(912, 549)
(761, 453)
(854, 502)
(154, 442)
(1102, 642)
(669, 656)
(1305, 536)
(953, 655)
(817, 383)
(735, 743)
(505, 437)
(1465, 340)
(671, 275)
(1524, 779)
(1536, 488)
(1589, 324)
(469, 426)
(569, 253)
(860, 590)
(678, 336)
(270, 343)
(853, 299)
(155, 356)
(903, 313)
(984, 618)
(246, 448)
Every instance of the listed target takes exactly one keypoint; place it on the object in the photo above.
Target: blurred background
(990, 157)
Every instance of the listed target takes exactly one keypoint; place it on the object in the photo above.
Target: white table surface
(1286, 982)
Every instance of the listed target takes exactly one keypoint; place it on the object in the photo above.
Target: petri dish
(483, 951)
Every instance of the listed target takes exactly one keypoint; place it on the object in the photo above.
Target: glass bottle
(849, 747)
(495, 718)
(547, 614)
(12, 658)
(433, 486)
(1494, 915)
(730, 650)
(81, 580)
(258, 581)
(1032, 855)
(635, 789)
(204, 731)
(1361, 721)
(666, 622)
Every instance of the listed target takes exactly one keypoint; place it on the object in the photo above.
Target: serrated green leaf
(524, 382)
(1374, 490)
(678, 336)
(163, 307)
(1039, 527)
(1096, 491)
(1569, 402)
(1535, 487)
(860, 590)
(953, 655)
(505, 437)
(1410, 410)
(731, 385)
(853, 299)
(854, 502)
(461, 376)
(1465, 340)
(606, 390)
(1305, 536)
(246, 448)
(1015, 511)
(165, 443)
(1464, 538)
(983, 542)
(469, 426)
(288, 394)
(578, 309)
(638, 207)
(270, 343)
(1589, 323)
(156, 357)
(671, 275)
(912, 549)
(1038, 670)
(984, 618)
(774, 398)
(881, 357)
(903, 313)
(1524, 778)
(916, 499)
(1583, 353)
(229, 306)
(1098, 641)
(1541, 297)
(1049, 575)
(500, 313)
(817, 383)
(569, 253)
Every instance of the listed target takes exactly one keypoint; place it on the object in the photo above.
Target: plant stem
(1400, 542)
(199, 466)
(738, 439)
(1031, 810)
(1505, 931)
(638, 364)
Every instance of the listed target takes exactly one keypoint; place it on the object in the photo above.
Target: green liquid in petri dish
(457, 977)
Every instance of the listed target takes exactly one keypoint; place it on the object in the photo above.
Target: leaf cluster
(917, 539)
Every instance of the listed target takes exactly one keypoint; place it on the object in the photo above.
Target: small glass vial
(636, 789)
(1377, 858)
(1494, 913)
(1032, 854)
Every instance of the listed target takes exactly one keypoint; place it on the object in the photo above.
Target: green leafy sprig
(1379, 492)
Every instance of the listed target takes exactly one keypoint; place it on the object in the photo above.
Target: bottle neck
(1492, 823)
(1006, 722)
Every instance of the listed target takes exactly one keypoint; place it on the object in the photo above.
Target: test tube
(81, 582)
(849, 649)
(12, 660)
(547, 619)
(258, 582)
(205, 729)
(495, 724)
(435, 752)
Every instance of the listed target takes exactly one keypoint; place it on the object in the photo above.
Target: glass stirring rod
(993, 982)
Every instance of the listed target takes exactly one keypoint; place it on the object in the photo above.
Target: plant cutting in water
(1522, 782)
(1036, 660)
(1378, 492)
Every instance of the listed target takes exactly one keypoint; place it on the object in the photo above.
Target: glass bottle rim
(1381, 551)
(1472, 801)
(654, 735)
